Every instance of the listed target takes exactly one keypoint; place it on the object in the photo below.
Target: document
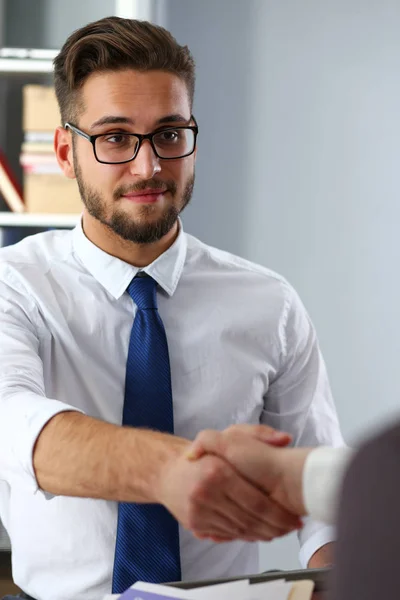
(236, 590)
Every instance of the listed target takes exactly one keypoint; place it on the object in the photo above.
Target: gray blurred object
(4, 540)
(320, 577)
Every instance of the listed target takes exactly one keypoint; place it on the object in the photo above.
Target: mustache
(149, 184)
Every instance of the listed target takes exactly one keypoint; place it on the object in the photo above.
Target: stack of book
(46, 189)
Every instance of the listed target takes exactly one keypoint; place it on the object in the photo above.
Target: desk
(6, 583)
(318, 575)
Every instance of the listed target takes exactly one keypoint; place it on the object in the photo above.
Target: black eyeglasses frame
(141, 137)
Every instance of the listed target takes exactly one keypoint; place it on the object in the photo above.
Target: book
(39, 147)
(43, 169)
(39, 136)
(43, 163)
(37, 158)
(9, 186)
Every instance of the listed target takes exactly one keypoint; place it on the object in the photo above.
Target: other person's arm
(299, 401)
(303, 480)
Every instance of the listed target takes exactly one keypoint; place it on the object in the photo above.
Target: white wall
(62, 18)
(47, 23)
(327, 210)
(299, 151)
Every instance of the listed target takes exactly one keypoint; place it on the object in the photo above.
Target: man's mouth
(146, 196)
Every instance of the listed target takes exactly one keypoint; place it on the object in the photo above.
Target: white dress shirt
(323, 474)
(242, 350)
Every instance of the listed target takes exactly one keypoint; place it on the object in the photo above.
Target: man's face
(139, 200)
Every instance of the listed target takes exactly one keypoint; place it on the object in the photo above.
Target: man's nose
(146, 164)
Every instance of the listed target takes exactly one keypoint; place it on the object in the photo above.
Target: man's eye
(116, 138)
(168, 136)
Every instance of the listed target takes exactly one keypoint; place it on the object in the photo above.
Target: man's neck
(138, 255)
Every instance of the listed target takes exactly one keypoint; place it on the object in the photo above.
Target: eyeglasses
(115, 148)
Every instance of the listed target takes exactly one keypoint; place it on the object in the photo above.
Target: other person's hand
(248, 448)
(212, 499)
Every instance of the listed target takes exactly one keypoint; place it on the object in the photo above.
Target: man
(128, 321)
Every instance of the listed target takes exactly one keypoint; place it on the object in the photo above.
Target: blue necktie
(147, 547)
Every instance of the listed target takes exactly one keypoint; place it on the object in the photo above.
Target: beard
(143, 229)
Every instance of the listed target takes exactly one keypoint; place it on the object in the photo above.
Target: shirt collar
(115, 274)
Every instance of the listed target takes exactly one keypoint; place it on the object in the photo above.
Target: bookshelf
(26, 60)
(27, 65)
(20, 61)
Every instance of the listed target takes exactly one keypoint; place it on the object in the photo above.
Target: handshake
(238, 484)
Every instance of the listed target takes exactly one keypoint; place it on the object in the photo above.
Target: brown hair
(115, 44)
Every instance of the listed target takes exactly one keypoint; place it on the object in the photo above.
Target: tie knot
(142, 290)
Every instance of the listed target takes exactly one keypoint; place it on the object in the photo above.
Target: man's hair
(115, 44)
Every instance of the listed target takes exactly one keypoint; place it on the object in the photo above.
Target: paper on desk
(278, 589)
(236, 590)
(242, 590)
(302, 590)
(156, 588)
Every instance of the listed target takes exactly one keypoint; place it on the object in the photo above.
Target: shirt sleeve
(322, 479)
(24, 407)
(299, 401)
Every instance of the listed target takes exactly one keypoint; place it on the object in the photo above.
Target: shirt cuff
(39, 423)
(323, 535)
(16, 462)
(322, 478)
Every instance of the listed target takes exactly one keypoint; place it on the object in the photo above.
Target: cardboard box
(46, 193)
(40, 108)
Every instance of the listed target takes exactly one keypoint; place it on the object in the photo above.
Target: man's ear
(63, 150)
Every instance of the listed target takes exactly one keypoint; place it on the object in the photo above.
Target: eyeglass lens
(169, 143)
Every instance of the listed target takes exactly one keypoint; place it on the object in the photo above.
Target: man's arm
(48, 445)
(77, 455)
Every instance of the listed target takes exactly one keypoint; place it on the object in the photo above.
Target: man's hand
(277, 471)
(210, 498)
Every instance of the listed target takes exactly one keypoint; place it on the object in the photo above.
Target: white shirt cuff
(322, 478)
(39, 424)
(16, 451)
(323, 535)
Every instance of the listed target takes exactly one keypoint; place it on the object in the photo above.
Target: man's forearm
(76, 455)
